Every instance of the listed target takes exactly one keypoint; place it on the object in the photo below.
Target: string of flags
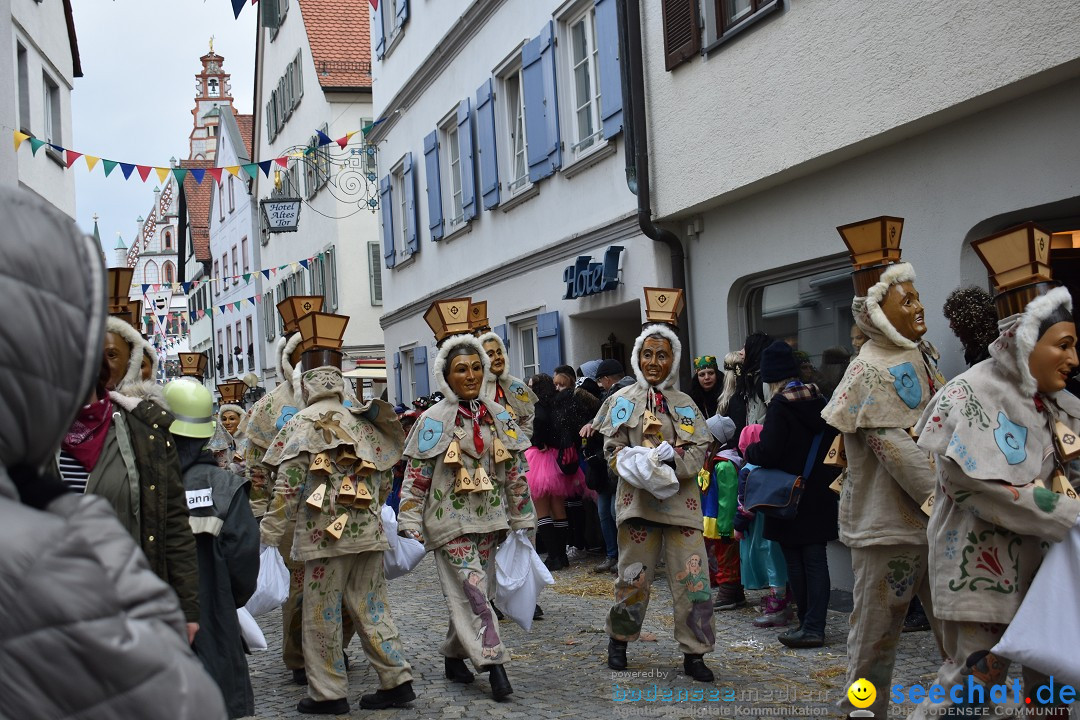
(180, 173)
(238, 5)
(187, 287)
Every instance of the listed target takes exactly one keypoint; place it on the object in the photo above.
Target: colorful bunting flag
(109, 166)
(162, 173)
(19, 138)
(144, 171)
(283, 162)
(179, 174)
(237, 6)
(215, 173)
(197, 173)
(252, 169)
(126, 169)
(304, 264)
(72, 156)
(234, 170)
(266, 274)
(265, 167)
(91, 161)
(36, 144)
(343, 141)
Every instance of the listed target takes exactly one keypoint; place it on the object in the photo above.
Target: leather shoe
(457, 671)
(500, 684)
(616, 654)
(695, 667)
(399, 696)
(802, 639)
(299, 676)
(538, 613)
(323, 707)
(606, 565)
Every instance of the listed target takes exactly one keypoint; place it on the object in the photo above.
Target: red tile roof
(244, 123)
(198, 207)
(340, 39)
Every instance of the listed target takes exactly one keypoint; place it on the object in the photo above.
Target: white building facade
(502, 178)
(313, 75)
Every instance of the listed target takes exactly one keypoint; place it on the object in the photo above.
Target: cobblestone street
(558, 670)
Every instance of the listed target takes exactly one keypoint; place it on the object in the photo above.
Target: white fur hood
(440, 361)
(868, 313)
(676, 350)
(1020, 332)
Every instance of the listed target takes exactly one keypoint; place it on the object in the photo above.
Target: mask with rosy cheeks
(858, 338)
(706, 378)
(904, 311)
(1053, 358)
(117, 355)
(465, 375)
(655, 359)
(495, 355)
(230, 421)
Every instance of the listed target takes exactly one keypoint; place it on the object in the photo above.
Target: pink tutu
(546, 479)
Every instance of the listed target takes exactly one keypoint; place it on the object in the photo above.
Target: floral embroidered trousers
(886, 578)
(292, 618)
(960, 640)
(683, 548)
(358, 583)
(465, 564)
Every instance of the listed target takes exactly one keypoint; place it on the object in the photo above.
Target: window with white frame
(527, 357)
(51, 97)
(235, 267)
(316, 164)
(232, 193)
(401, 211)
(269, 323)
(323, 272)
(408, 377)
(585, 126)
(450, 165)
(375, 272)
(285, 97)
(23, 60)
(244, 254)
(517, 143)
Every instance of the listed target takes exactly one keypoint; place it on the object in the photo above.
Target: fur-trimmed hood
(1020, 333)
(868, 313)
(133, 374)
(487, 389)
(657, 330)
(289, 375)
(444, 352)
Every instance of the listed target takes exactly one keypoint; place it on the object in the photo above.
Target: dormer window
(212, 87)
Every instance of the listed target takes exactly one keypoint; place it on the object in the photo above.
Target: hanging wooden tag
(459, 432)
(453, 453)
(1068, 446)
(337, 527)
(363, 496)
(464, 483)
(366, 467)
(345, 456)
(320, 465)
(1061, 485)
(928, 506)
(838, 483)
(837, 455)
(500, 451)
(650, 423)
(315, 499)
(482, 480)
(347, 491)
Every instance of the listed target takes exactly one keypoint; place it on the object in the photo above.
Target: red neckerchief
(500, 395)
(86, 438)
(480, 416)
(659, 403)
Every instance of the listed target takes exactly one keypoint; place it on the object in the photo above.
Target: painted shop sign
(281, 215)
(586, 277)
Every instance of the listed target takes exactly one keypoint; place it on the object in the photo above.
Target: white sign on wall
(281, 215)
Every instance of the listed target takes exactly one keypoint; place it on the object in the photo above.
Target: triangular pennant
(374, 5)
(72, 156)
(324, 139)
(343, 141)
(234, 170)
(215, 173)
(156, 287)
(162, 173)
(304, 264)
(247, 277)
(282, 161)
(35, 144)
(202, 314)
(179, 174)
(57, 148)
(237, 6)
(144, 171)
(274, 271)
(91, 161)
(258, 298)
(295, 266)
(19, 138)
(197, 173)
(109, 166)
(186, 286)
(145, 288)
(127, 169)
(265, 167)
(252, 169)
(266, 274)
(221, 309)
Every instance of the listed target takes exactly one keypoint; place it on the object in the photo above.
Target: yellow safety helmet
(192, 406)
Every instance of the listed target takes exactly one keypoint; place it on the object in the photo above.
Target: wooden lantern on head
(478, 318)
(448, 317)
(873, 244)
(120, 303)
(1019, 263)
(663, 305)
(321, 338)
(232, 392)
(293, 308)
(193, 364)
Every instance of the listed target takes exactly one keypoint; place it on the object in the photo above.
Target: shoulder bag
(776, 493)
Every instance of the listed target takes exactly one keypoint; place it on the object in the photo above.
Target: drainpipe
(637, 171)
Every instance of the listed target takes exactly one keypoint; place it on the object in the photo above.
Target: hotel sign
(586, 277)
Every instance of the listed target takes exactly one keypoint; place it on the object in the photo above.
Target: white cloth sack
(1045, 632)
(272, 588)
(640, 467)
(520, 575)
(253, 634)
(404, 553)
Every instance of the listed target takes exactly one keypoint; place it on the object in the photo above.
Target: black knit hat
(778, 362)
(608, 367)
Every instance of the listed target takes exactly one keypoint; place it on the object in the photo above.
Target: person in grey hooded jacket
(87, 629)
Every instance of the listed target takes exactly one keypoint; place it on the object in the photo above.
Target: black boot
(500, 684)
(562, 536)
(695, 667)
(498, 613)
(616, 654)
(299, 676)
(457, 671)
(551, 541)
(323, 707)
(381, 699)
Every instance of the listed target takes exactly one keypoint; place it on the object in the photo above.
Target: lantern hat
(193, 364)
(1019, 263)
(478, 318)
(449, 317)
(662, 309)
(874, 245)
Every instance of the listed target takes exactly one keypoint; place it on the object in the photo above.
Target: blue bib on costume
(430, 432)
(287, 412)
(1011, 439)
(907, 384)
(621, 411)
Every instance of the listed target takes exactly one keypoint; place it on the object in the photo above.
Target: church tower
(212, 89)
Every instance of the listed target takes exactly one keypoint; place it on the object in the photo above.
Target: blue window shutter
(485, 145)
(541, 104)
(402, 12)
(408, 182)
(500, 330)
(548, 342)
(397, 375)
(386, 205)
(434, 185)
(607, 47)
(377, 36)
(467, 164)
(420, 372)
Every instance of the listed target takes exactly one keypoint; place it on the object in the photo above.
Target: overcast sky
(134, 101)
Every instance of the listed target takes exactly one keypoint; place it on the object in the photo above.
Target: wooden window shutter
(682, 35)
